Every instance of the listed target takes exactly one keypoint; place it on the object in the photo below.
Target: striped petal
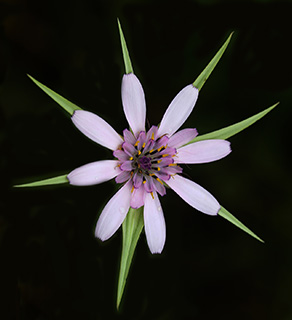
(193, 194)
(203, 151)
(178, 110)
(154, 223)
(113, 213)
(134, 103)
(94, 173)
(96, 129)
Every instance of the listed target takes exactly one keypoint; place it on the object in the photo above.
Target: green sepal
(202, 78)
(228, 216)
(132, 227)
(45, 182)
(64, 103)
(230, 131)
(127, 61)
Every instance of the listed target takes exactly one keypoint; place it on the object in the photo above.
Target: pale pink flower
(146, 162)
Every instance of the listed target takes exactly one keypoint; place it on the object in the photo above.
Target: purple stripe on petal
(94, 173)
(193, 194)
(114, 213)
(96, 129)
(182, 137)
(154, 222)
(203, 151)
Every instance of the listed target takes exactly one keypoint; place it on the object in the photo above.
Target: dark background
(51, 266)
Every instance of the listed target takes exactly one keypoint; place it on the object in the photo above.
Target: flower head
(147, 161)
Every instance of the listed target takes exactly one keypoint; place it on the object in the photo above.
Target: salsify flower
(146, 162)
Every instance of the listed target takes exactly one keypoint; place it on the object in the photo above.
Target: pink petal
(134, 103)
(193, 194)
(127, 166)
(154, 223)
(128, 137)
(121, 155)
(137, 197)
(96, 129)
(182, 137)
(94, 173)
(178, 111)
(123, 176)
(113, 213)
(203, 151)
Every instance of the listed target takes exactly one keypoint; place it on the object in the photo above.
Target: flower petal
(123, 176)
(128, 137)
(193, 194)
(203, 151)
(94, 173)
(137, 197)
(178, 111)
(127, 166)
(96, 129)
(134, 103)
(113, 213)
(154, 223)
(182, 137)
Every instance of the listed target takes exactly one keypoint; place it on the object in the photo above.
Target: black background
(51, 266)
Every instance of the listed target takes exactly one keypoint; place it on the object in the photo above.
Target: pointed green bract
(230, 131)
(127, 61)
(202, 78)
(64, 103)
(45, 182)
(132, 227)
(228, 216)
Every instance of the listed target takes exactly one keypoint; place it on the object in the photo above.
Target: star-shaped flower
(147, 161)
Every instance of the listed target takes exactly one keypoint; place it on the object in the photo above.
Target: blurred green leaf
(132, 227)
(230, 131)
(45, 182)
(64, 103)
(127, 61)
(228, 216)
(202, 78)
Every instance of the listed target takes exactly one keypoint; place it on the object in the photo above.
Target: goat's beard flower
(147, 162)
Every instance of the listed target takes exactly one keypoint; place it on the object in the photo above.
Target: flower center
(146, 160)
(145, 163)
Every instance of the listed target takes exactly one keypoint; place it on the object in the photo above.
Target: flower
(146, 162)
